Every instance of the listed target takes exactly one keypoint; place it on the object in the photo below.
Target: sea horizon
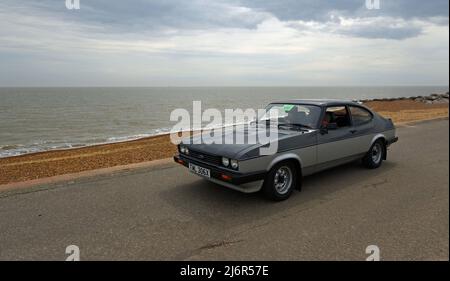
(241, 86)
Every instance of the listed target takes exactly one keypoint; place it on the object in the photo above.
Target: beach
(60, 162)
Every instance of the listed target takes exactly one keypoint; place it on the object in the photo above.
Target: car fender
(286, 156)
(377, 136)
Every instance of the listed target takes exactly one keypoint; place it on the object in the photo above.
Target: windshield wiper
(297, 125)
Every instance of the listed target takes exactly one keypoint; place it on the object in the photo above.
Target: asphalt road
(164, 213)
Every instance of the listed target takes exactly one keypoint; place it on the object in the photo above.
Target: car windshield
(293, 115)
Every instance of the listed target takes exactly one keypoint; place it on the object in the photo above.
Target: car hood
(217, 144)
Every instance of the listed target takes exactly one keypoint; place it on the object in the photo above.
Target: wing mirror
(329, 126)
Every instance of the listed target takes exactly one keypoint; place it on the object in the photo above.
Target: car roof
(318, 102)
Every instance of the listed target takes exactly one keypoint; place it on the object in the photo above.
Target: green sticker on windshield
(288, 107)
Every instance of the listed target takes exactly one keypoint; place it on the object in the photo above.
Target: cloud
(371, 28)
(320, 10)
(151, 15)
(200, 42)
(380, 28)
(171, 16)
(396, 19)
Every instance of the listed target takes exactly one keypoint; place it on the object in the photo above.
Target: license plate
(199, 170)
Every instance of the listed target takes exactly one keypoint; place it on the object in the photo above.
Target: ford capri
(310, 136)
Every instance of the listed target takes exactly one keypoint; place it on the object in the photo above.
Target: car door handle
(353, 131)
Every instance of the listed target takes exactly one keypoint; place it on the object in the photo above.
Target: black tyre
(280, 181)
(375, 155)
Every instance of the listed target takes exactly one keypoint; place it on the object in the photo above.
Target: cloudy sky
(229, 43)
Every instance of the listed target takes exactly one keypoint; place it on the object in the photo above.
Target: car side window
(360, 115)
(338, 115)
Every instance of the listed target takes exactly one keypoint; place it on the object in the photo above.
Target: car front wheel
(375, 155)
(280, 182)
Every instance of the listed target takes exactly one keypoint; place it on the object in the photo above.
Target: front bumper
(247, 183)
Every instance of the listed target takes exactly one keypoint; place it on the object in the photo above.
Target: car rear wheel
(375, 155)
(280, 182)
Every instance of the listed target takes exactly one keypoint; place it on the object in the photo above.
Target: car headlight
(186, 151)
(182, 149)
(234, 164)
(225, 161)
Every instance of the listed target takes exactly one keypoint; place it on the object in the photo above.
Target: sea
(42, 119)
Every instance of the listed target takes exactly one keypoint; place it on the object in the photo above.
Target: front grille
(208, 158)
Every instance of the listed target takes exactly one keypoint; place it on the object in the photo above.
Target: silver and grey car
(311, 136)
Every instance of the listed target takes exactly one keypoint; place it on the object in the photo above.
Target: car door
(335, 144)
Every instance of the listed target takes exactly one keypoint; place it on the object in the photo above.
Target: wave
(10, 150)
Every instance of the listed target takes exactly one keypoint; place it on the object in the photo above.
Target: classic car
(312, 135)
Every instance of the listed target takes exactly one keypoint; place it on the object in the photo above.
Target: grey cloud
(157, 16)
(149, 15)
(131, 42)
(319, 10)
(371, 28)
(327, 13)
(383, 32)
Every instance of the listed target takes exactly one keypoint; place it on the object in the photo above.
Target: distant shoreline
(72, 160)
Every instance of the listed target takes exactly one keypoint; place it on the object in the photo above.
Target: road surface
(164, 213)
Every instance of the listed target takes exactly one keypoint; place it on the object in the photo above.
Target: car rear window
(360, 115)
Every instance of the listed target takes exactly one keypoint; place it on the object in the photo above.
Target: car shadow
(212, 204)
